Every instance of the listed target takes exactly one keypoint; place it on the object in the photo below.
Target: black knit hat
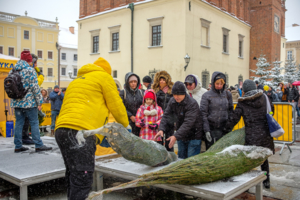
(178, 88)
(249, 85)
(147, 79)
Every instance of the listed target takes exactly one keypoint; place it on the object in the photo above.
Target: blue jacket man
(56, 97)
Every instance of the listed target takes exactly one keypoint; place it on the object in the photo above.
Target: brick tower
(90, 7)
(267, 18)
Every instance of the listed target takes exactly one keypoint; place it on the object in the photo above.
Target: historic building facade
(218, 35)
(18, 33)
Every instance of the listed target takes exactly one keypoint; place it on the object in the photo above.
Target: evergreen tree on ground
(298, 73)
(263, 71)
(276, 75)
(290, 68)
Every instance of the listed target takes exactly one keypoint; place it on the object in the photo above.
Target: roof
(67, 39)
(5, 57)
(292, 33)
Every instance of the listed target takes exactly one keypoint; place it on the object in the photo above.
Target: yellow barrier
(283, 115)
(46, 108)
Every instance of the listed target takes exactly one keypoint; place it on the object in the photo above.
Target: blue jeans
(32, 114)
(189, 148)
(54, 114)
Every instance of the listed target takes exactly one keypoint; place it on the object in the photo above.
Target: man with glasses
(194, 87)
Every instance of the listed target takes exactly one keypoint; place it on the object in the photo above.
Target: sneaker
(21, 149)
(43, 148)
(27, 141)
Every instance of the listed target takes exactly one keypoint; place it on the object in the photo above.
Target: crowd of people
(165, 112)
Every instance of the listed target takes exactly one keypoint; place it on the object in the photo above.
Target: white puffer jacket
(198, 91)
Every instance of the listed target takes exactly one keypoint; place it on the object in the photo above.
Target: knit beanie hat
(178, 88)
(147, 79)
(133, 78)
(56, 86)
(25, 55)
(249, 85)
(149, 95)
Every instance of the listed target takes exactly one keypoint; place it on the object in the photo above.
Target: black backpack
(13, 86)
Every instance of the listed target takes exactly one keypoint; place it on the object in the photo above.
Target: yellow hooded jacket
(90, 98)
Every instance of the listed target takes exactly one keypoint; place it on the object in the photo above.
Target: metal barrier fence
(283, 114)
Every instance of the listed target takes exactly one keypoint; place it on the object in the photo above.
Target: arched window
(205, 78)
(240, 79)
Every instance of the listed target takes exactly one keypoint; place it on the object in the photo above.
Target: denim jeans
(189, 148)
(32, 114)
(54, 114)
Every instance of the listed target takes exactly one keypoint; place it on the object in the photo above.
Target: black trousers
(79, 162)
(265, 167)
(215, 134)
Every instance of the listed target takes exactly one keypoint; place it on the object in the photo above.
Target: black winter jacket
(163, 99)
(186, 117)
(132, 102)
(253, 108)
(215, 106)
(292, 94)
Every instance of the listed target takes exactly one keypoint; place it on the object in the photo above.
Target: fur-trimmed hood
(165, 75)
(253, 97)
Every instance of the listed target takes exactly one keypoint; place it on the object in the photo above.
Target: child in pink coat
(148, 116)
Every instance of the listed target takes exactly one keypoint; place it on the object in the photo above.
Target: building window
(75, 72)
(115, 74)
(50, 55)
(205, 79)
(50, 72)
(227, 79)
(241, 46)
(205, 32)
(1, 49)
(282, 45)
(41, 69)
(11, 51)
(115, 42)
(156, 35)
(40, 54)
(63, 71)
(290, 55)
(26, 35)
(95, 40)
(95, 44)
(240, 79)
(75, 57)
(155, 31)
(63, 56)
(225, 40)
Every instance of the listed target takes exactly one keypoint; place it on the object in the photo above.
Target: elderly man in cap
(147, 82)
(183, 111)
(56, 97)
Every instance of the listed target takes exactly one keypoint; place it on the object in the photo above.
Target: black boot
(21, 149)
(267, 182)
(43, 148)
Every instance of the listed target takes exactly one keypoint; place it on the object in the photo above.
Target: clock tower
(267, 18)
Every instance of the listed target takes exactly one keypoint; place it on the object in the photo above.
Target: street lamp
(187, 61)
(70, 75)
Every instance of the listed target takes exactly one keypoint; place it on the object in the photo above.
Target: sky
(67, 11)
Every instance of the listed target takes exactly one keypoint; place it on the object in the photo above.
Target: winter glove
(142, 124)
(153, 126)
(129, 129)
(208, 137)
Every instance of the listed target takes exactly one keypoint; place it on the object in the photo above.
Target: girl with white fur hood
(148, 116)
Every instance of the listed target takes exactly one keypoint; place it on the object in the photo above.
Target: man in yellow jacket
(87, 103)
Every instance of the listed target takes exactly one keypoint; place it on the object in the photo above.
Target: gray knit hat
(249, 85)
(178, 88)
